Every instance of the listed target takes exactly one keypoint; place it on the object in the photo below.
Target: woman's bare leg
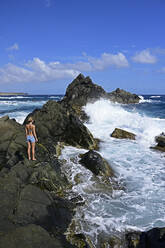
(28, 150)
(33, 151)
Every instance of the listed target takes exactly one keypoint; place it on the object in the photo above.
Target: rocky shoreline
(35, 208)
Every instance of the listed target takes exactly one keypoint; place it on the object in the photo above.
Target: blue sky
(44, 44)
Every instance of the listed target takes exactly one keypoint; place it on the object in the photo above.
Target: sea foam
(138, 168)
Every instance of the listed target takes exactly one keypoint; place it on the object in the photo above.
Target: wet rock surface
(122, 134)
(160, 140)
(95, 163)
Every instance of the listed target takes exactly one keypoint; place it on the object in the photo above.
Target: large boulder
(154, 238)
(160, 140)
(95, 163)
(122, 134)
(54, 123)
(122, 96)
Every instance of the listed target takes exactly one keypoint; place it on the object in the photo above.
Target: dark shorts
(30, 139)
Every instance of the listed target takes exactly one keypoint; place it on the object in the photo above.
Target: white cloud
(144, 57)
(51, 71)
(13, 47)
(107, 60)
(13, 73)
(37, 70)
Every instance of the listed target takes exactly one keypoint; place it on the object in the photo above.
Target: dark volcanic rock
(12, 142)
(55, 123)
(36, 206)
(31, 236)
(49, 176)
(122, 134)
(29, 192)
(122, 96)
(83, 90)
(160, 142)
(23, 204)
(94, 162)
(154, 238)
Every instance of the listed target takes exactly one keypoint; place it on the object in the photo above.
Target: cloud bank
(38, 70)
(144, 57)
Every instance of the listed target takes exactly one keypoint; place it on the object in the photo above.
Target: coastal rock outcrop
(79, 92)
(94, 162)
(32, 193)
(160, 140)
(82, 91)
(55, 123)
(122, 134)
(34, 209)
(122, 96)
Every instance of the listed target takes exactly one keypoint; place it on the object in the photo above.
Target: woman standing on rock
(31, 138)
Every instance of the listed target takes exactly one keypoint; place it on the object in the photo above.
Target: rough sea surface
(140, 170)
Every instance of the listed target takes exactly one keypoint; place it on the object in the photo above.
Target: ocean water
(139, 204)
(18, 107)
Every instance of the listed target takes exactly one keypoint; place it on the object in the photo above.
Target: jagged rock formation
(122, 96)
(122, 134)
(82, 91)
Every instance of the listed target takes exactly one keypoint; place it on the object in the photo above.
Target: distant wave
(155, 96)
(143, 100)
